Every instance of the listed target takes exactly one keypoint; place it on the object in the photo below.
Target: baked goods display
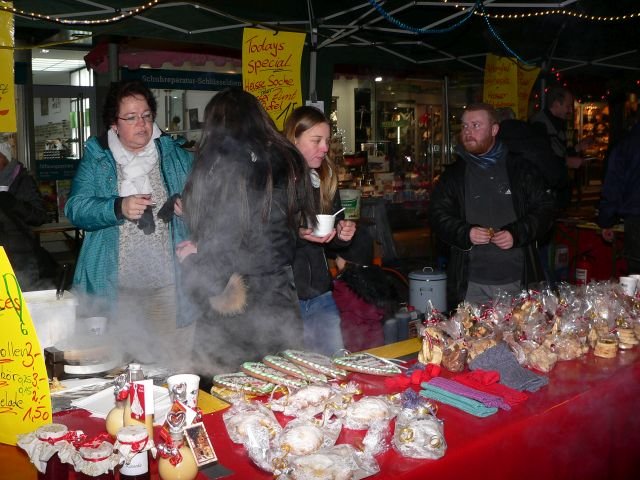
(241, 382)
(244, 419)
(419, 434)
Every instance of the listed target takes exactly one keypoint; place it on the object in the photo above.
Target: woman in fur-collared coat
(242, 205)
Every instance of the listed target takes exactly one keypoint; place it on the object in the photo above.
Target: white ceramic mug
(628, 285)
(325, 225)
(192, 387)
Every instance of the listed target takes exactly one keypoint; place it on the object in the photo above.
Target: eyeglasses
(133, 119)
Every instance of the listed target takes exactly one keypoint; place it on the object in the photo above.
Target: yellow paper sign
(501, 82)
(271, 70)
(25, 400)
(7, 87)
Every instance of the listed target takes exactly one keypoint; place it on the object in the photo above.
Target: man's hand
(502, 239)
(480, 235)
(574, 162)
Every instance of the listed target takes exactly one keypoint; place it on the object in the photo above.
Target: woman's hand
(185, 248)
(307, 234)
(346, 229)
(134, 206)
(177, 207)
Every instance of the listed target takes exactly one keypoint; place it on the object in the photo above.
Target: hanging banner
(25, 399)
(507, 84)
(7, 93)
(271, 70)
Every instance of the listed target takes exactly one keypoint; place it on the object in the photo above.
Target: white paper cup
(4, 188)
(192, 384)
(96, 325)
(325, 225)
(628, 285)
(350, 200)
(637, 277)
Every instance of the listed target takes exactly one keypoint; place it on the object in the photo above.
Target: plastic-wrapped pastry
(419, 435)
(476, 347)
(340, 462)
(542, 359)
(361, 414)
(454, 357)
(301, 439)
(567, 347)
(242, 417)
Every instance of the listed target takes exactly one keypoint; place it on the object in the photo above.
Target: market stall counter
(583, 424)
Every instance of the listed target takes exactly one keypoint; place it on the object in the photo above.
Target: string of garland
(504, 45)
(477, 8)
(421, 31)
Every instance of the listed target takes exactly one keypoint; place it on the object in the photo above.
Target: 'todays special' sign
(271, 70)
(25, 401)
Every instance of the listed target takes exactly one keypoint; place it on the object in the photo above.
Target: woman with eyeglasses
(126, 197)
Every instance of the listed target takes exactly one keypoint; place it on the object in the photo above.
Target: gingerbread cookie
(367, 363)
(241, 382)
(290, 368)
(315, 361)
(268, 374)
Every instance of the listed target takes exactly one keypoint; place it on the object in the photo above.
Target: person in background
(620, 197)
(552, 122)
(309, 130)
(490, 207)
(243, 203)
(125, 196)
(21, 207)
(531, 144)
(364, 294)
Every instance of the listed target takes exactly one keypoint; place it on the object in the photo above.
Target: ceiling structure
(582, 39)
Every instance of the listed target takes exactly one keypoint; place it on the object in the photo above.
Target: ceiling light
(55, 65)
(378, 79)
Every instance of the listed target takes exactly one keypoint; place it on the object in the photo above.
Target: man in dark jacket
(490, 207)
(621, 196)
(21, 207)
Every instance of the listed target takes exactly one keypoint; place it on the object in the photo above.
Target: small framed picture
(200, 444)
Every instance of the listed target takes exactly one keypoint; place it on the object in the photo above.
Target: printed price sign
(25, 400)
(271, 70)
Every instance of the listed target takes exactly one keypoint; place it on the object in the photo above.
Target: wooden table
(59, 227)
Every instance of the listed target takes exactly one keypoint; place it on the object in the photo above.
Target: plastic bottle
(176, 459)
(403, 317)
(135, 374)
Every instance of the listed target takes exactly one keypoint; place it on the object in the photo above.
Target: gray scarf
(8, 173)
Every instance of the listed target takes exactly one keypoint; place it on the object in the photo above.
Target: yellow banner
(25, 399)
(507, 84)
(7, 93)
(271, 70)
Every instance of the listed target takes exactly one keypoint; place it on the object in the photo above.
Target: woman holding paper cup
(309, 130)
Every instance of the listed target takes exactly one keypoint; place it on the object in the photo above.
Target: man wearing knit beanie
(21, 207)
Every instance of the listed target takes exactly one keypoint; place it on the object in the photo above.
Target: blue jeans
(321, 323)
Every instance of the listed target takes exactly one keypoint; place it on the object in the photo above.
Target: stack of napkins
(101, 403)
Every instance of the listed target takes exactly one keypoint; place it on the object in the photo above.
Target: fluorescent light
(378, 79)
(55, 65)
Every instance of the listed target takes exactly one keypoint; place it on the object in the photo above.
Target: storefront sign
(25, 400)
(507, 84)
(271, 70)
(7, 92)
(62, 169)
(182, 79)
